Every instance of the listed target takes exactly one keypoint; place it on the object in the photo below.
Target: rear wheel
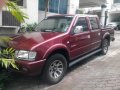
(105, 45)
(55, 69)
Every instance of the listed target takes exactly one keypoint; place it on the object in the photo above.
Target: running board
(84, 57)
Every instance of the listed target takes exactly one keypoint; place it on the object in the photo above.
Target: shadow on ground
(20, 81)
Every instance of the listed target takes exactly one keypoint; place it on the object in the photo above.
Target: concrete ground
(95, 73)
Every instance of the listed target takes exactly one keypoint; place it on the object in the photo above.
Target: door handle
(98, 34)
(88, 36)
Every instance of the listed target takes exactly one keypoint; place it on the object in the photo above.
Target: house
(114, 11)
(35, 9)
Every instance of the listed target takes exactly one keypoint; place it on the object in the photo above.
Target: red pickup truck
(59, 42)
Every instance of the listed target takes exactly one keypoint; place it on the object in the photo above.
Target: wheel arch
(107, 36)
(59, 48)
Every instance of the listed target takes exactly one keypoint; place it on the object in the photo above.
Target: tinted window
(94, 23)
(82, 22)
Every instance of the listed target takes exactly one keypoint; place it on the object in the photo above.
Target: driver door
(80, 42)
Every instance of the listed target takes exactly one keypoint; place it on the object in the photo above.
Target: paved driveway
(95, 73)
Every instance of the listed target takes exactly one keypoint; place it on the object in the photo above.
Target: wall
(32, 11)
(41, 15)
(72, 6)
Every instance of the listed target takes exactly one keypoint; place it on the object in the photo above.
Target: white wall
(109, 4)
(41, 15)
(0, 18)
(72, 6)
(32, 11)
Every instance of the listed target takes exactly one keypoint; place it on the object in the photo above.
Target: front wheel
(105, 45)
(55, 69)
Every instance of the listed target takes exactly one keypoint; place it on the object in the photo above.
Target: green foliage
(5, 39)
(14, 9)
(28, 27)
(7, 58)
(31, 27)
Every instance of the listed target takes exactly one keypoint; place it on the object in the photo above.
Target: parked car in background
(58, 43)
(114, 25)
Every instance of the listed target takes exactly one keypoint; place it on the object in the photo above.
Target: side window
(82, 22)
(94, 23)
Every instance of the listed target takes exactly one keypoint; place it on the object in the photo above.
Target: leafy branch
(7, 58)
(14, 9)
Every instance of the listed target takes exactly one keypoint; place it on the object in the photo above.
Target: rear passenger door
(95, 33)
(80, 42)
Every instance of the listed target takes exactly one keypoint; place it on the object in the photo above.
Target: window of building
(20, 2)
(82, 22)
(8, 19)
(116, 1)
(94, 23)
(54, 6)
(42, 5)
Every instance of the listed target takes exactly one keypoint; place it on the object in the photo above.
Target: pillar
(32, 11)
(102, 19)
(72, 6)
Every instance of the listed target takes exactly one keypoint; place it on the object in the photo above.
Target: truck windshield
(54, 24)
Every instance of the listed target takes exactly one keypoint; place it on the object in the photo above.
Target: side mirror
(78, 29)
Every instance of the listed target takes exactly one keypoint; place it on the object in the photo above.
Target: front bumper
(29, 68)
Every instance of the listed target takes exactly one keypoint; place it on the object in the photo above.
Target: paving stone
(98, 89)
(87, 89)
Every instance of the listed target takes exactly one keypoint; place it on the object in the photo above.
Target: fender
(106, 34)
(55, 47)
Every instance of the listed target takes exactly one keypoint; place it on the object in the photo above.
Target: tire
(105, 45)
(55, 69)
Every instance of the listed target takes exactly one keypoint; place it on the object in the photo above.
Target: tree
(14, 9)
(7, 55)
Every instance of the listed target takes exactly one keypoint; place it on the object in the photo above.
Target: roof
(72, 15)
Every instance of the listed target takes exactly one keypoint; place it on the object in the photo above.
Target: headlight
(25, 55)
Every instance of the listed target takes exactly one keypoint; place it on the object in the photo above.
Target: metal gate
(8, 19)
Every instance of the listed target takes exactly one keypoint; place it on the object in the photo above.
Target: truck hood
(28, 40)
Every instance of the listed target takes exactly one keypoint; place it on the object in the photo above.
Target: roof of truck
(72, 15)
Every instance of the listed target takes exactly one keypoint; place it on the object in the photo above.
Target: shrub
(6, 60)
(28, 27)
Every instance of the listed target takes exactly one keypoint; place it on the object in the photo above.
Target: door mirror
(78, 29)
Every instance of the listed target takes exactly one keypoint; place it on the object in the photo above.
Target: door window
(82, 22)
(94, 23)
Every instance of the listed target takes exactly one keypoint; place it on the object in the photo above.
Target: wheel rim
(56, 69)
(105, 47)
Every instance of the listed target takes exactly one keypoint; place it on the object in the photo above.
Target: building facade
(114, 11)
(35, 9)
